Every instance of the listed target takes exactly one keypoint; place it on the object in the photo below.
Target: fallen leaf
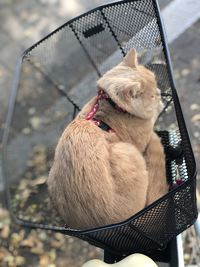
(35, 122)
(24, 196)
(16, 238)
(59, 236)
(5, 231)
(196, 118)
(3, 214)
(39, 149)
(38, 181)
(52, 255)
(23, 184)
(42, 235)
(56, 244)
(185, 72)
(194, 107)
(32, 209)
(186, 257)
(60, 114)
(3, 254)
(29, 242)
(26, 131)
(10, 259)
(19, 260)
(36, 250)
(44, 260)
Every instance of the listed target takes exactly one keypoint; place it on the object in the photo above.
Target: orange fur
(155, 161)
(100, 178)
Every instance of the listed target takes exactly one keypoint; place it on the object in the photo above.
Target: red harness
(90, 116)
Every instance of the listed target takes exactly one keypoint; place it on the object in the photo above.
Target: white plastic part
(180, 251)
(134, 260)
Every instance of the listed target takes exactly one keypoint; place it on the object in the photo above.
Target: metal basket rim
(9, 120)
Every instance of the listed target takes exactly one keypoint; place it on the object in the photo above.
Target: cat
(109, 163)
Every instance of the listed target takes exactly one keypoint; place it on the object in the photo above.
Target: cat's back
(81, 133)
(81, 144)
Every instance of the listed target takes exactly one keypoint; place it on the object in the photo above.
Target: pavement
(22, 23)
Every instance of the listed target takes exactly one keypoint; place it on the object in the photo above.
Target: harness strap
(115, 106)
(100, 123)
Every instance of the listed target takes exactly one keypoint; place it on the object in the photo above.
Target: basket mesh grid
(69, 61)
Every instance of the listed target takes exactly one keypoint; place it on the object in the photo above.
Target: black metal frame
(85, 234)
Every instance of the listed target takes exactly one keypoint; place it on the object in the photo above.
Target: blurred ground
(22, 23)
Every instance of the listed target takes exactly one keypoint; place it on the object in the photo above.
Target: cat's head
(133, 87)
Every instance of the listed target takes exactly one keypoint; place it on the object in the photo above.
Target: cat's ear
(130, 60)
(132, 90)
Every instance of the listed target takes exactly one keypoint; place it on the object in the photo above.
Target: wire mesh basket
(54, 79)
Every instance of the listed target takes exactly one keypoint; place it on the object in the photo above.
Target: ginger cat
(109, 164)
